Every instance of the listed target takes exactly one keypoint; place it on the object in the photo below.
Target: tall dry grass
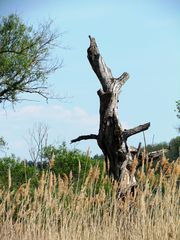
(59, 210)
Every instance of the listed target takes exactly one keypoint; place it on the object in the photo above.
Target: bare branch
(132, 131)
(156, 154)
(122, 79)
(85, 137)
(38, 141)
(98, 65)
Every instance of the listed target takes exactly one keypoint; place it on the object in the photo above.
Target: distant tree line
(173, 148)
(65, 162)
(60, 160)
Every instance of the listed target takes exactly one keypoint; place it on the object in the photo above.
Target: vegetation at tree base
(60, 161)
(24, 59)
(64, 162)
(55, 211)
(20, 172)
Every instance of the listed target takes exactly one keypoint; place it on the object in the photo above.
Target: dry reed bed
(55, 210)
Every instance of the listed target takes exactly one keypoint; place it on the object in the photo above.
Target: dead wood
(112, 138)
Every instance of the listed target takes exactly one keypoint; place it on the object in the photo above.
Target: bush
(72, 163)
(59, 160)
(174, 148)
(14, 172)
(54, 211)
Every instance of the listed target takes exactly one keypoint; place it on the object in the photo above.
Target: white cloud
(49, 112)
(64, 124)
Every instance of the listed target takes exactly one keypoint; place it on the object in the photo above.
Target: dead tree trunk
(112, 138)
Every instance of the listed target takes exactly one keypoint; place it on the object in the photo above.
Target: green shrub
(14, 172)
(71, 162)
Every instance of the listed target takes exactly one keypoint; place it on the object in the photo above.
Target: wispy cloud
(49, 112)
(64, 124)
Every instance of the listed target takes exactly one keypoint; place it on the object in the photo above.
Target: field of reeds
(59, 208)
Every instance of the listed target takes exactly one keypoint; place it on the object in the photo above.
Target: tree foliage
(24, 58)
(178, 108)
(178, 113)
(59, 160)
(173, 148)
(2, 142)
(20, 172)
(156, 147)
(65, 161)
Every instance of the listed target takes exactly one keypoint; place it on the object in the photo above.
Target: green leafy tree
(2, 142)
(73, 162)
(178, 108)
(19, 172)
(25, 59)
(178, 112)
(156, 147)
(66, 161)
(3, 145)
(174, 148)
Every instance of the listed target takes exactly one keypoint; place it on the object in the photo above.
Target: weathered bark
(112, 138)
(85, 137)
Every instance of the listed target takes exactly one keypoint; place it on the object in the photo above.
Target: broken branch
(132, 131)
(85, 137)
(122, 79)
(98, 65)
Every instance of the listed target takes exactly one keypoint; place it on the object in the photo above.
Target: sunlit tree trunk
(112, 138)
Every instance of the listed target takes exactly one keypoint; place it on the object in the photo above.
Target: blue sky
(140, 37)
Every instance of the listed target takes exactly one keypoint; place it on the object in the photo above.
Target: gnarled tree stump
(112, 138)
